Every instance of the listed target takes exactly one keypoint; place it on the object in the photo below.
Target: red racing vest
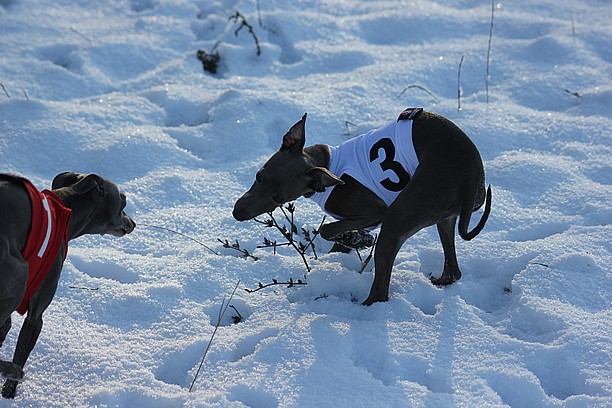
(49, 229)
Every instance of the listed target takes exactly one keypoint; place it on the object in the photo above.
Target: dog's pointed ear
(88, 183)
(64, 179)
(293, 141)
(320, 178)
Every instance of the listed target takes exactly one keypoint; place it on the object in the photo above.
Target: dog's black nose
(238, 215)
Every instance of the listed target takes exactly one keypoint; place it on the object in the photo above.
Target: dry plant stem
(489, 49)
(291, 241)
(244, 23)
(236, 247)
(459, 84)
(314, 236)
(179, 233)
(5, 91)
(365, 263)
(422, 88)
(289, 284)
(222, 311)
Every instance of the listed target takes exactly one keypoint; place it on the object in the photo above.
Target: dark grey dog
(34, 231)
(418, 171)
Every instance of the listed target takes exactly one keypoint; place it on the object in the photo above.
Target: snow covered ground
(115, 88)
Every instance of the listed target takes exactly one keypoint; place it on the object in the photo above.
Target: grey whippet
(444, 181)
(30, 265)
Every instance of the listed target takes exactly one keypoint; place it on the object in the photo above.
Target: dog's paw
(9, 390)
(444, 280)
(354, 239)
(11, 371)
(371, 300)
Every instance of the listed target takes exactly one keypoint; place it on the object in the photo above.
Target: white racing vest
(383, 160)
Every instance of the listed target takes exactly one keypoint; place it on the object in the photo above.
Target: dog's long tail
(467, 207)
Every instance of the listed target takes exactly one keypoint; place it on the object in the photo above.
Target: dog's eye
(278, 198)
(258, 177)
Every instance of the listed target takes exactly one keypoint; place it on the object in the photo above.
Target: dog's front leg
(27, 339)
(387, 247)
(32, 325)
(337, 231)
(329, 231)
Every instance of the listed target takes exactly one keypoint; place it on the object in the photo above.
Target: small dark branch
(210, 60)
(573, 26)
(26, 95)
(459, 84)
(286, 234)
(74, 30)
(140, 224)
(348, 130)
(236, 247)
(367, 260)
(540, 264)
(82, 288)
(576, 94)
(291, 283)
(418, 87)
(267, 223)
(310, 239)
(489, 50)
(238, 318)
(289, 234)
(222, 311)
(5, 91)
(291, 210)
(243, 23)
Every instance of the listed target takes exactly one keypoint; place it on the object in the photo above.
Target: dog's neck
(82, 211)
(319, 155)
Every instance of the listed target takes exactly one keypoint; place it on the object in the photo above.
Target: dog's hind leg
(413, 210)
(451, 273)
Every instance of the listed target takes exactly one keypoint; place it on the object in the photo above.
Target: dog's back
(15, 209)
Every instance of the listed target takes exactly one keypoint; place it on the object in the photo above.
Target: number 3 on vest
(390, 164)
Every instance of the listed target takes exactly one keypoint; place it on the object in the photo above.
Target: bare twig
(459, 84)
(348, 131)
(489, 50)
(365, 263)
(5, 91)
(238, 318)
(179, 233)
(291, 283)
(573, 26)
(82, 288)
(418, 87)
(243, 23)
(236, 246)
(221, 314)
(289, 236)
(576, 94)
(210, 60)
(74, 30)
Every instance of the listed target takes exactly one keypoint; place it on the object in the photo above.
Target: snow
(115, 88)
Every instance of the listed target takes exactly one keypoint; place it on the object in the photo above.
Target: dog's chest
(49, 229)
(382, 160)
